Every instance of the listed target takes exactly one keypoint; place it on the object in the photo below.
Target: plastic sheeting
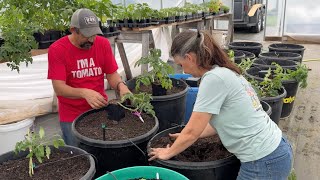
(29, 93)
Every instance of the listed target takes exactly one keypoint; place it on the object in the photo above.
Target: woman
(227, 105)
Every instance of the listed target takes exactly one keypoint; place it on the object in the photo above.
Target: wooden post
(124, 60)
(145, 49)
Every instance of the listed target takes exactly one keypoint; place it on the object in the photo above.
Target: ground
(302, 127)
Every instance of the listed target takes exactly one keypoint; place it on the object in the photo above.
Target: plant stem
(132, 110)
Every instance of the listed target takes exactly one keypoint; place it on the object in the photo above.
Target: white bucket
(10, 134)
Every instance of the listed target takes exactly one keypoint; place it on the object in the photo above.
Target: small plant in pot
(36, 158)
(135, 103)
(169, 103)
(291, 80)
(158, 77)
(270, 90)
(118, 133)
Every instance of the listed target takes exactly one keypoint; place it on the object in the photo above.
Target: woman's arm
(208, 131)
(195, 127)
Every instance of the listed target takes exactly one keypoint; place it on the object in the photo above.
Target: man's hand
(94, 99)
(123, 89)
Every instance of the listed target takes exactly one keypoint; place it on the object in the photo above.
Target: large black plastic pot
(282, 56)
(113, 155)
(266, 63)
(77, 151)
(170, 109)
(276, 103)
(266, 107)
(294, 48)
(238, 56)
(227, 168)
(248, 54)
(253, 47)
(291, 87)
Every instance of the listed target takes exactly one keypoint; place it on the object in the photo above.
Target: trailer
(249, 13)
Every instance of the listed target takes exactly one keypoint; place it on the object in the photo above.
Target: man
(77, 64)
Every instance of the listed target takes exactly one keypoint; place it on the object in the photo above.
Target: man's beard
(86, 45)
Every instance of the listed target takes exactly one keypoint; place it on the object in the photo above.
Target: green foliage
(245, 64)
(225, 9)
(214, 6)
(269, 87)
(101, 8)
(21, 19)
(292, 175)
(159, 74)
(37, 149)
(140, 102)
(17, 33)
(231, 55)
(300, 75)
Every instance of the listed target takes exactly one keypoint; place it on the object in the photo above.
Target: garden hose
(310, 60)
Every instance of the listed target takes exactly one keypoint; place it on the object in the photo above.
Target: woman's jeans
(275, 166)
(67, 135)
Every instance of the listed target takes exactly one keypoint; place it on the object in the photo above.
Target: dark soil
(65, 169)
(203, 150)
(128, 127)
(148, 89)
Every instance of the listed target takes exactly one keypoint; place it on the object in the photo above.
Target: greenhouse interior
(159, 89)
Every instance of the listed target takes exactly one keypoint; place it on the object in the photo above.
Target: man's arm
(115, 82)
(94, 99)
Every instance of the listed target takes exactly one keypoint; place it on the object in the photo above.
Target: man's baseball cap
(86, 21)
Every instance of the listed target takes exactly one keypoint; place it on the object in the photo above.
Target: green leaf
(48, 152)
(41, 133)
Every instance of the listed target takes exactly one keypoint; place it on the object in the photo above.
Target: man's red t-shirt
(79, 68)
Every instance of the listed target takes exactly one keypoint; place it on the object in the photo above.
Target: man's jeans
(67, 135)
(275, 166)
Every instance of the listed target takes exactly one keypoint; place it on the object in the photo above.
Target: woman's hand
(160, 153)
(174, 136)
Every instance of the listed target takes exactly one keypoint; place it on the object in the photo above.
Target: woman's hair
(206, 49)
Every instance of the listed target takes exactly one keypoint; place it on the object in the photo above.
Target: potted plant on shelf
(207, 158)
(169, 94)
(116, 134)
(35, 158)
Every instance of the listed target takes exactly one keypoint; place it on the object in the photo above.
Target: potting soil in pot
(59, 166)
(128, 127)
(203, 150)
(148, 89)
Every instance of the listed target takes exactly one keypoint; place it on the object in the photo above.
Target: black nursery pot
(238, 56)
(282, 56)
(77, 151)
(291, 87)
(248, 54)
(170, 109)
(276, 103)
(281, 47)
(226, 168)
(266, 63)
(113, 155)
(266, 107)
(158, 90)
(253, 47)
